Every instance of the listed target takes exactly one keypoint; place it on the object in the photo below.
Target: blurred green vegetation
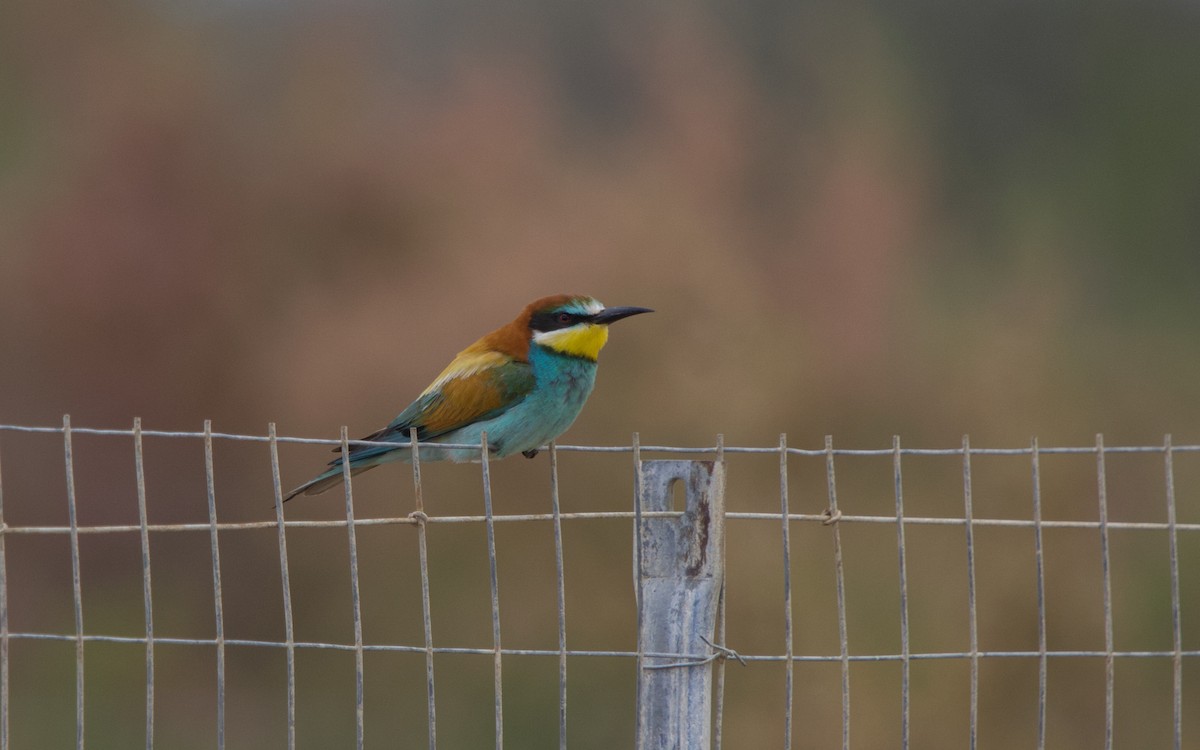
(859, 219)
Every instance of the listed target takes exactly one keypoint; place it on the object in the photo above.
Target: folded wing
(474, 387)
(479, 384)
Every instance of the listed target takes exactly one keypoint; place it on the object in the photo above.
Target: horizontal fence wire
(554, 652)
(713, 449)
(833, 516)
(601, 515)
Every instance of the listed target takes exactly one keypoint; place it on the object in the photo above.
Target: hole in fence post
(678, 492)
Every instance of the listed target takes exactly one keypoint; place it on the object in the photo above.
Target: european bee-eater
(523, 384)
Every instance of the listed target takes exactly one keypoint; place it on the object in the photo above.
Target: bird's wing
(477, 385)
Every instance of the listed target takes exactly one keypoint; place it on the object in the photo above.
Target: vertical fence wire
(289, 634)
(833, 514)
(972, 623)
(147, 598)
(218, 597)
(426, 618)
(76, 586)
(354, 591)
(560, 578)
(905, 654)
(3, 623)
(789, 663)
(1176, 622)
(497, 658)
(1102, 495)
(639, 590)
(1036, 467)
(719, 687)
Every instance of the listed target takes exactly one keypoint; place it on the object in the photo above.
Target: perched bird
(523, 384)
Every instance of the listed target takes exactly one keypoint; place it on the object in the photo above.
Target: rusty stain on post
(682, 569)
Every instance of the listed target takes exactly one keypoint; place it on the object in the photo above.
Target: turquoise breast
(563, 386)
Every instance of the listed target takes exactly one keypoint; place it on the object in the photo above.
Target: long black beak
(613, 314)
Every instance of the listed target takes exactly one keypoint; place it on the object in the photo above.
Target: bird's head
(574, 324)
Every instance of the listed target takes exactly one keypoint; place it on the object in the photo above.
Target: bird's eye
(564, 317)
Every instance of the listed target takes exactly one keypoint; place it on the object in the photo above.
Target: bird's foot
(530, 453)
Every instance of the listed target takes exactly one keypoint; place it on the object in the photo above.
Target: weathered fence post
(680, 568)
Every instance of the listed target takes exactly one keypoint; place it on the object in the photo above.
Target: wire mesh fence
(1029, 596)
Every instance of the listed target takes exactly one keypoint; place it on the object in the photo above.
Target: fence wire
(832, 518)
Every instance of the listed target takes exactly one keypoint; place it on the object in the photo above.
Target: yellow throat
(577, 341)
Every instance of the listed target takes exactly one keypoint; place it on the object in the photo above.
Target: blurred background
(856, 219)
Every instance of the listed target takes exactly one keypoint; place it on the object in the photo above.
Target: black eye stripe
(551, 320)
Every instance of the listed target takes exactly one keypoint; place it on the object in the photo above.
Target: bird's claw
(530, 453)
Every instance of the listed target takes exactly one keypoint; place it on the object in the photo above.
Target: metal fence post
(680, 561)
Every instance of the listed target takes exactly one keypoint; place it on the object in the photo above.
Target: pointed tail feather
(325, 480)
